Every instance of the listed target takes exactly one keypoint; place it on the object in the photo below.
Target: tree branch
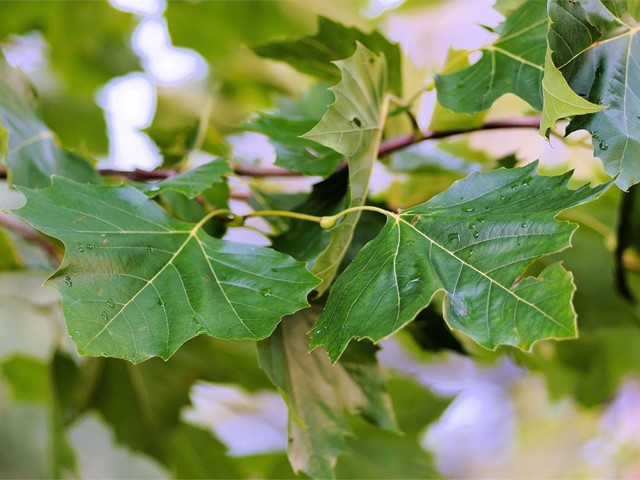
(386, 147)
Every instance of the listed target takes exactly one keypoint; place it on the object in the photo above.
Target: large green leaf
(512, 64)
(33, 154)
(137, 283)
(475, 242)
(320, 396)
(315, 55)
(353, 127)
(596, 46)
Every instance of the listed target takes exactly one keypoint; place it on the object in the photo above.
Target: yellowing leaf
(353, 127)
(559, 101)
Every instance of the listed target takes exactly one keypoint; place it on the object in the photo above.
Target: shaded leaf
(33, 154)
(353, 127)
(137, 283)
(559, 101)
(293, 152)
(314, 55)
(476, 241)
(192, 182)
(320, 396)
(596, 46)
(512, 64)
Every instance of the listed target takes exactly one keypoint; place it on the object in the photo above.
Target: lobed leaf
(512, 64)
(474, 242)
(314, 55)
(596, 47)
(352, 126)
(137, 283)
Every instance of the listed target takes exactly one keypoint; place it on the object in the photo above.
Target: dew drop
(150, 249)
(67, 281)
(357, 121)
(161, 302)
(523, 225)
(471, 253)
(411, 243)
(468, 209)
(154, 188)
(472, 226)
(503, 197)
(111, 304)
(513, 187)
(104, 316)
(454, 237)
(603, 145)
(265, 292)
(80, 248)
(525, 181)
(476, 234)
(89, 246)
(481, 219)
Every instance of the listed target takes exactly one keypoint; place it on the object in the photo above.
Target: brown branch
(386, 147)
(31, 235)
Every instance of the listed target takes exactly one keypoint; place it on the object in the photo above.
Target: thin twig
(386, 147)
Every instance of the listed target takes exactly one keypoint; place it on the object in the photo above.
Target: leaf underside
(352, 126)
(596, 46)
(474, 241)
(192, 182)
(322, 396)
(136, 283)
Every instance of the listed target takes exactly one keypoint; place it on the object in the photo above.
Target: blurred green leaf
(33, 154)
(314, 55)
(193, 182)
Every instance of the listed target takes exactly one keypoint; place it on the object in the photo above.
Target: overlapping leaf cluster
(146, 269)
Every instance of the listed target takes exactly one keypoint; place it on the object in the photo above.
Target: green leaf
(314, 55)
(443, 119)
(192, 182)
(4, 142)
(597, 49)
(475, 242)
(512, 64)
(320, 395)
(353, 127)
(33, 154)
(293, 152)
(137, 283)
(559, 101)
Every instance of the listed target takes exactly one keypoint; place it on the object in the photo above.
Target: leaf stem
(284, 213)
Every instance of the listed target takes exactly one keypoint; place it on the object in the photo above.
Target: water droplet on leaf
(150, 249)
(104, 316)
(357, 121)
(67, 281)
(603, 145)
(89, 246)
(265, 292)
(454, 237)
(154, 188)
(523, 225)
(468, 209)
(161, 302)
(476, 234)
(111, 304)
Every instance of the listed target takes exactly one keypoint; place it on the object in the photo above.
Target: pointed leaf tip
(474, 242)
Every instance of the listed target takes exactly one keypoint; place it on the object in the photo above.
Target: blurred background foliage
(567, 409)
